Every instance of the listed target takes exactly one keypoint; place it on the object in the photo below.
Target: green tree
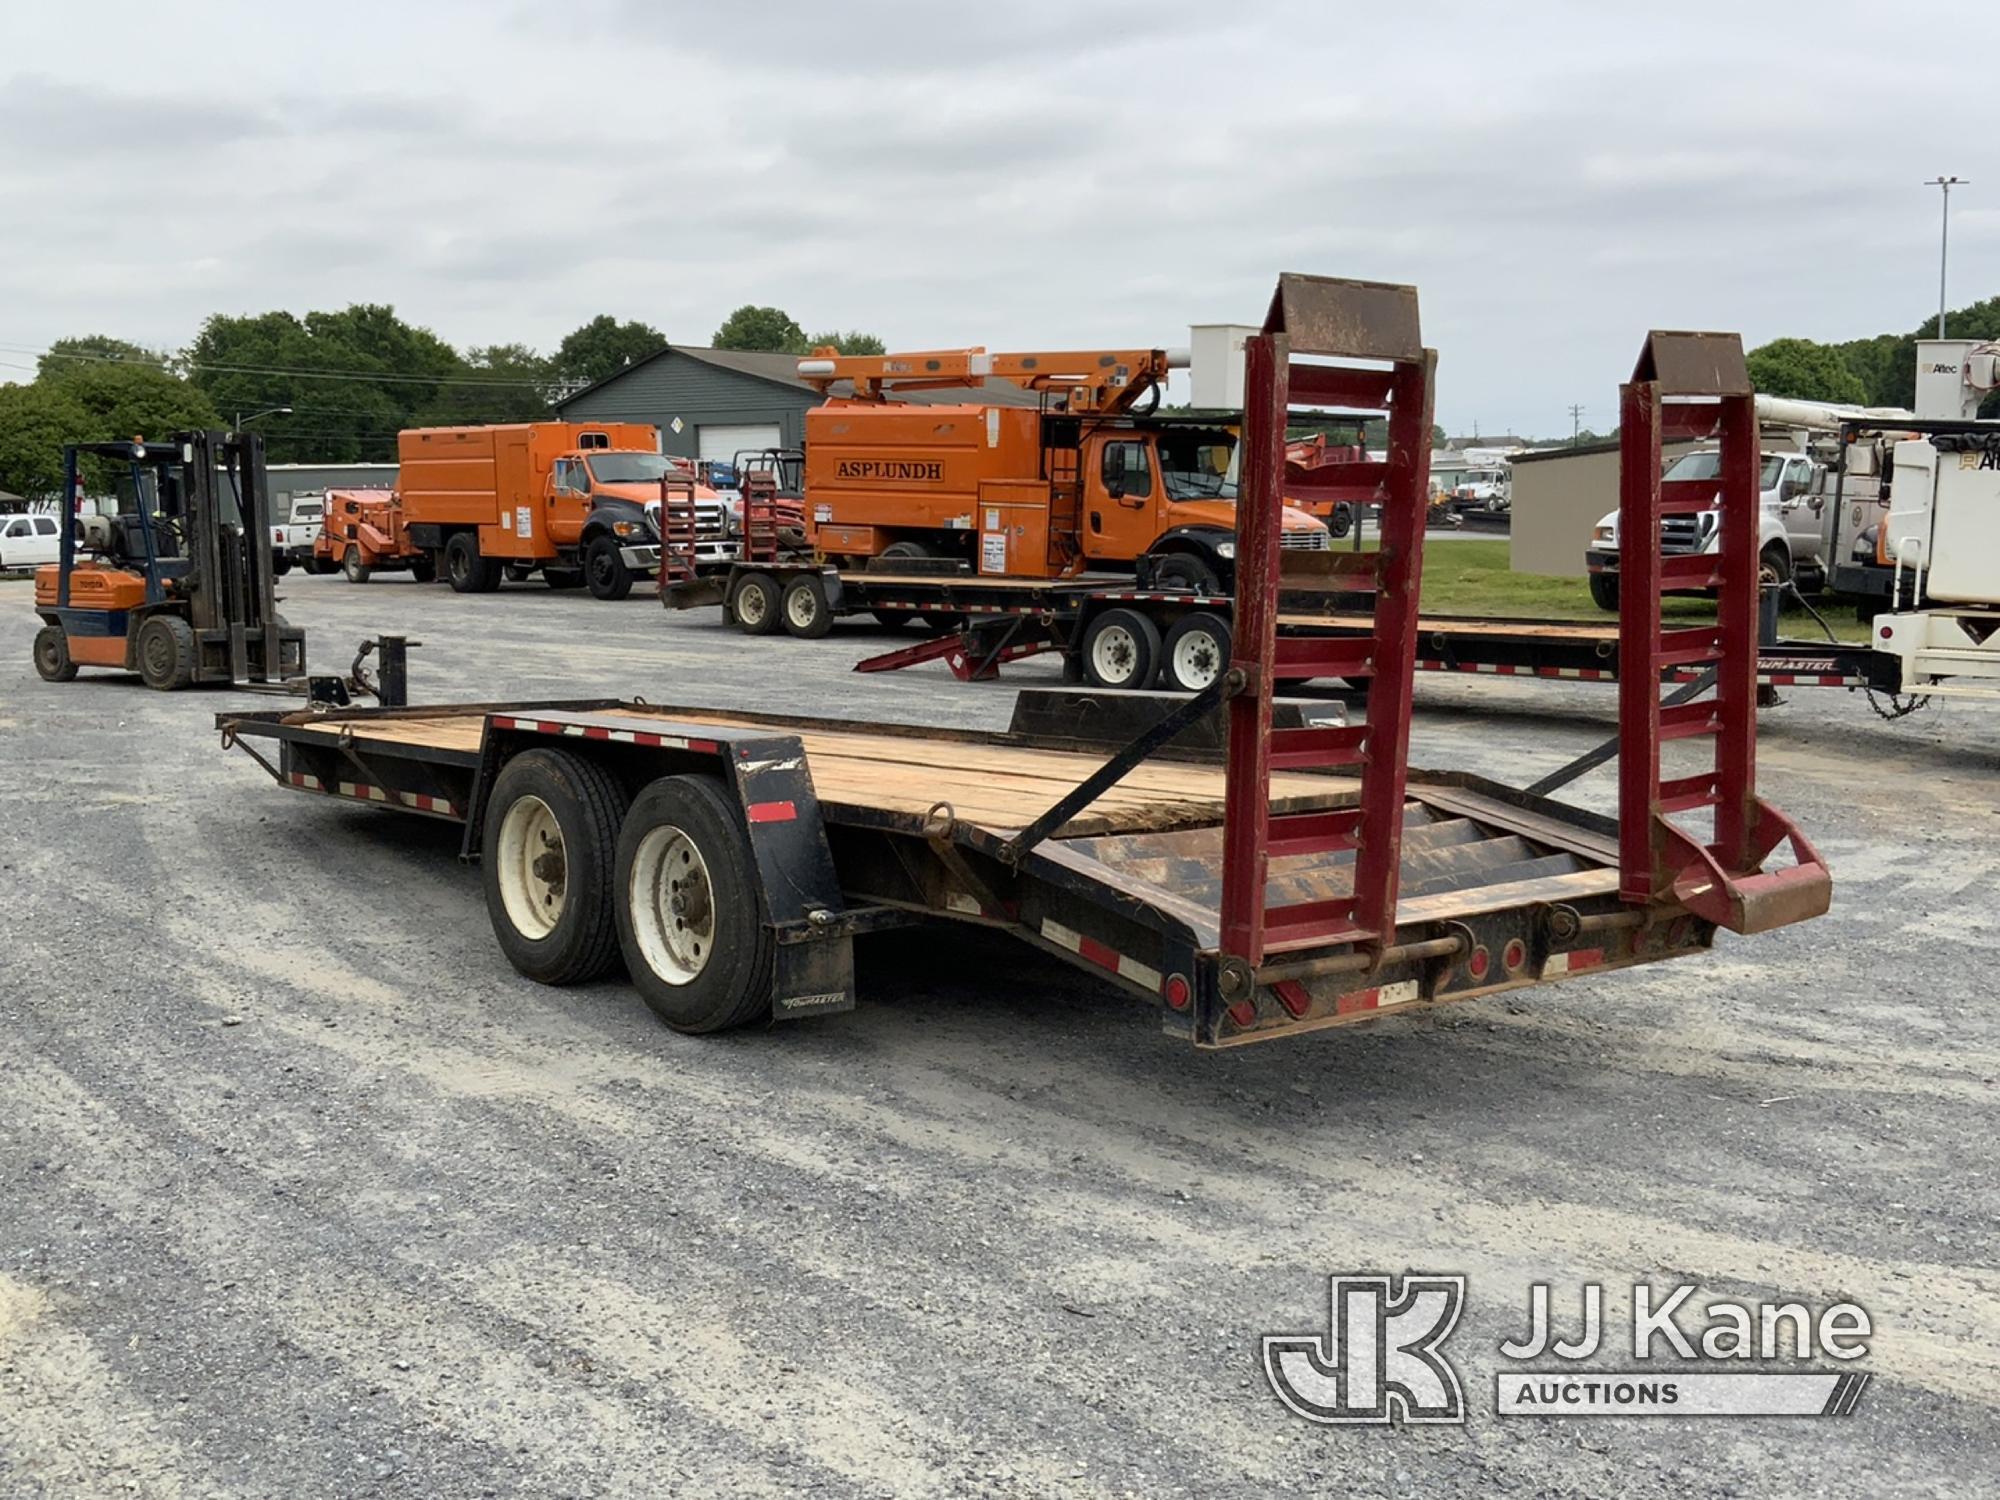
(1805, 371)
(66, 355)
(352, 378)
(602, 347)
(854, 341)
(132, 401)
(496, 383)
(35, 422)
(766, 328)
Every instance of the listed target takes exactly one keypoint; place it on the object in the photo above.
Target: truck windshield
(1707, 465)
(1197, 468)
(630, 468)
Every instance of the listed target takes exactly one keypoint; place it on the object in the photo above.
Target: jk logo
(1378, 1360)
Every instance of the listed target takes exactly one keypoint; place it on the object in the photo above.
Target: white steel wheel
(1115, 654)
(533, 867)
(800, 610)
(1121, 649)
(753, 607)
(672, 905)
(1197, 651)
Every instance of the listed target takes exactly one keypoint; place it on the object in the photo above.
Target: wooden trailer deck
(995, 787)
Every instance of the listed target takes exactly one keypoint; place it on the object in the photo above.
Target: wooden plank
(990, 785)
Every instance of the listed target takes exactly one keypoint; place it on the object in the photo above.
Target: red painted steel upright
(1695, 386)
(760, 517)
(679, 529)
(1317, 317)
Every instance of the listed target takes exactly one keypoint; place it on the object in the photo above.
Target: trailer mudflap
(795, 866)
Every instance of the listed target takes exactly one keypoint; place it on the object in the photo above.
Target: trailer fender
(767, 779)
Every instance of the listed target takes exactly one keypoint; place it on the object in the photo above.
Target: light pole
(269, 411)
(1944, 237)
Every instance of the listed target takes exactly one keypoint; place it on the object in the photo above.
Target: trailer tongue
(1309, 880)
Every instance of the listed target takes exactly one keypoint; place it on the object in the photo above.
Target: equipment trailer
(1310, 880)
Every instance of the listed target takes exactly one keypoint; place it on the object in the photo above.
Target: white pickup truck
(292, 537)
(1791, 546)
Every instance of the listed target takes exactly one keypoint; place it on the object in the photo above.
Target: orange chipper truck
(1087, 480)
(580, 501)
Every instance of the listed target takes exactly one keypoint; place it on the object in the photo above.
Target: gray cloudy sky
(1554, 177)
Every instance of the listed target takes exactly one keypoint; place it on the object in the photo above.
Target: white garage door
(725, 441)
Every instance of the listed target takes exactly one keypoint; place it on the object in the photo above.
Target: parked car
(1790, 547)
(28, 541)
(292, 538)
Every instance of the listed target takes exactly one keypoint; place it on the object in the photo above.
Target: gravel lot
(304, 1192)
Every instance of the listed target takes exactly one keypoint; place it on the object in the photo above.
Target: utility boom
(1108, 381)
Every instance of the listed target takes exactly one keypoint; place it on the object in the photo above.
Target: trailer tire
(423, 568)
(356, 570)
(465, 570)
(805, 611)
(553, 921)
(893, 619)
(1196, 651)
(166, 653)
(1121, 650)
(755, 604)
(1604, 590)
(690, 908)
(52, 658)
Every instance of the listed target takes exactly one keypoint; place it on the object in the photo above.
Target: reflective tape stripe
(1123, 965)
(1571, 963)
(601, 732)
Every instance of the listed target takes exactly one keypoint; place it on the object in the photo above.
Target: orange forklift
(177, 585)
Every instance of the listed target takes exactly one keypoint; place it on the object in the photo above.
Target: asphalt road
(304, 1192)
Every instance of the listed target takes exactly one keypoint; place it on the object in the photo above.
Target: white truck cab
(1790, 545)
(28, 541)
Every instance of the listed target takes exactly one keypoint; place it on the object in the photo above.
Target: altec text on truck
(1092, 478)
(577, 502)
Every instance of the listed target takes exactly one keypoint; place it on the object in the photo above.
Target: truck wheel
(356, 570)
(605, 571)
(690, 908)
(1604, 590)
(319, 566)
(52, 655)
(1196, 652)
(1774, 565)
(1183, 570)
(1341, 521)
(423, 568)
(280, 565)
(1121, 649)
(166, 653)
(550, 848)
(755, 604)
(465, 570)
(806, 612)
